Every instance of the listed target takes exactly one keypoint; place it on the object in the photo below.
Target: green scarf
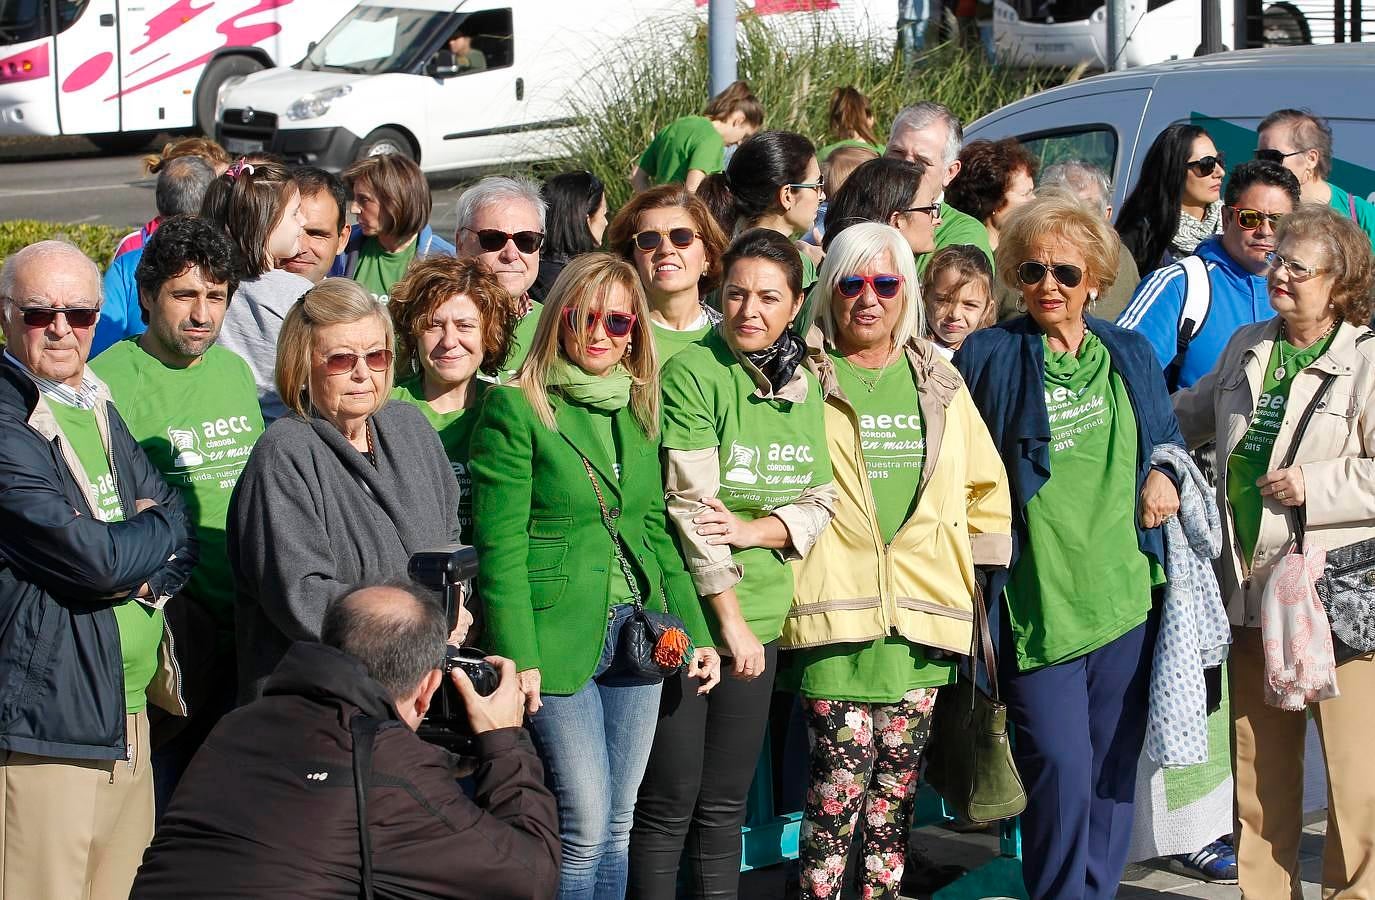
(608, 392)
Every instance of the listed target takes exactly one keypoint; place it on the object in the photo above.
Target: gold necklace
(1282, 369)
(870, 384)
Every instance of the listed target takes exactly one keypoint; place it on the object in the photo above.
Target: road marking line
(68, 190)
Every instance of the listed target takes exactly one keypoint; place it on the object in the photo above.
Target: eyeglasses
(343, 363)
(1204, 165)
(681, 238)
(617, 324)
(819, 185)
(1033, 272)
(1277, 156)
(885, 287)
(929, 210)
(493, 239)
(1250, 219)
(1297, 270)
(43, 316)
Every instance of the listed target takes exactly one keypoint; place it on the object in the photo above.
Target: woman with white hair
(923, 499)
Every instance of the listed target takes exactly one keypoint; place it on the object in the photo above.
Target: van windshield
(372, 40)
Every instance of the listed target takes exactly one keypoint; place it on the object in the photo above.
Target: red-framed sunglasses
(617, 324)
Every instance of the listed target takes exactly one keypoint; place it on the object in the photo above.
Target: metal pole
(1117, 35)
(1212, 29)
(720, 44)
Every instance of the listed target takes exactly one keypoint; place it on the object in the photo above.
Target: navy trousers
(1078, 727)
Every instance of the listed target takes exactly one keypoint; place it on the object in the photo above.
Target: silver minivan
(1111, 119)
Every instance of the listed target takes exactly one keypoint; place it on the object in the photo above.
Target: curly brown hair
(1348, 256)
(431, 282)
(986, 170)
(202, 147)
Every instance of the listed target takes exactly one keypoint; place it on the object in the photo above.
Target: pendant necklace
(1282, 369)
(870, 384)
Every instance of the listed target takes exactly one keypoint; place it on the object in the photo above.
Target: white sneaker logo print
(188, 451)
(742, 461)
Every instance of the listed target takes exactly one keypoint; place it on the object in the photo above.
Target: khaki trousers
(74, 829)
(1268, 744)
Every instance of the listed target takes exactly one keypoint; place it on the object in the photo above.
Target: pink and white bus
(111, 69)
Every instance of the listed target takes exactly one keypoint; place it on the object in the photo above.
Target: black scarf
(779, 361)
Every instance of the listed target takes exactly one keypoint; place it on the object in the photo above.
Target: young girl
(851, 123)
(259, 207)
(958, 290)
(694, 147)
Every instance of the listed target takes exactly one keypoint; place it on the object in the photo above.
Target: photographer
(268, 808)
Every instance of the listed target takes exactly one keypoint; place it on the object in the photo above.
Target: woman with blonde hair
(342, 488)
(572, 534)
(923, 500)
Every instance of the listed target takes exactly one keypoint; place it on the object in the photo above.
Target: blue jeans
(595, 745)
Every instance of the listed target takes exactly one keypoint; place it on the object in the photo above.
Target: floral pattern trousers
(864, 760)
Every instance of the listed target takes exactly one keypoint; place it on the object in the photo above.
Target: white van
(384, 80)
(114, 68)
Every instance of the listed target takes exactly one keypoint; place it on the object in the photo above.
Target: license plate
(237, 145)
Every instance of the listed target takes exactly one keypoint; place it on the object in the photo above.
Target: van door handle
(520, 88)
(107, 20)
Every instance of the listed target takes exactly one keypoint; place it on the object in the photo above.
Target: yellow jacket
(852, 588)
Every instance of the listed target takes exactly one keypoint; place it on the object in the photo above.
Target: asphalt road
(67, 180)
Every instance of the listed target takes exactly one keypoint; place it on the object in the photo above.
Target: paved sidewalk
(944, 847)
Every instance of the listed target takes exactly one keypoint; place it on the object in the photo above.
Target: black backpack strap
(364, 731)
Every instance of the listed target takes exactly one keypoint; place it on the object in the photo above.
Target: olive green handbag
(969, 759)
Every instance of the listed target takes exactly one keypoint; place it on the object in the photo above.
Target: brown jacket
(1335, 453)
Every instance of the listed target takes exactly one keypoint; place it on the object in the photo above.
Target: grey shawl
(311, 516)
(1194, 631)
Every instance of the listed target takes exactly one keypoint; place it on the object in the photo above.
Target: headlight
(316, 103)
(223, 90)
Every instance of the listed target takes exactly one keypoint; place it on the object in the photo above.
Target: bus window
(28, 20)
(1096, 144)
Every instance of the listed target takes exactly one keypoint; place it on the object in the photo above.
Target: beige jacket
(1335, 453)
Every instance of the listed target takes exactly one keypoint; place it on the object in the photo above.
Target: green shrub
(96, 241)
(644, 85)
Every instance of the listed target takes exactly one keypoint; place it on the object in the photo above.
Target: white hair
(851, 251)
(1079, 177)
(47, 252)
(920, 115)
(497, 189)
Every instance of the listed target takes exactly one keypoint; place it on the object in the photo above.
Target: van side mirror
(434, 69)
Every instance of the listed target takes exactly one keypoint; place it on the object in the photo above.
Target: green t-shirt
(521, 339)
(197, 425)
(806, 313)
(890, 429)
(691, 142)
(770, 452)
(1251, 458)
(603, 425)
(140, 627)
(1081, 581)
(956, 228)
(826, 151)
(378, 270)
(455, 433)
(1344, 203)
(670, 341)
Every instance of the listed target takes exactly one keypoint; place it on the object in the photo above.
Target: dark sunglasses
(493, 239)
(1033, 272)
(43, 316)
(1250, 219)
(1204, 165)
(681, 238)
(617, 324)
(885, 286)
(342, 363)
(1277, 156)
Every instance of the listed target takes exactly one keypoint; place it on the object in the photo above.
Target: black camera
(450, 570)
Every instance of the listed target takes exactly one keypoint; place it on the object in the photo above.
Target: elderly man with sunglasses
(501, 224)
(1190, 309)
(93, 542)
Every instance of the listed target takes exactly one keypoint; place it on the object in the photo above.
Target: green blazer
(544, 556)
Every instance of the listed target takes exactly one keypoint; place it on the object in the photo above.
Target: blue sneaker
(1215, 863)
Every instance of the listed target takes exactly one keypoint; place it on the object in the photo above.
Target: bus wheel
(216, 74)
(1285, 26)
(386, 140)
